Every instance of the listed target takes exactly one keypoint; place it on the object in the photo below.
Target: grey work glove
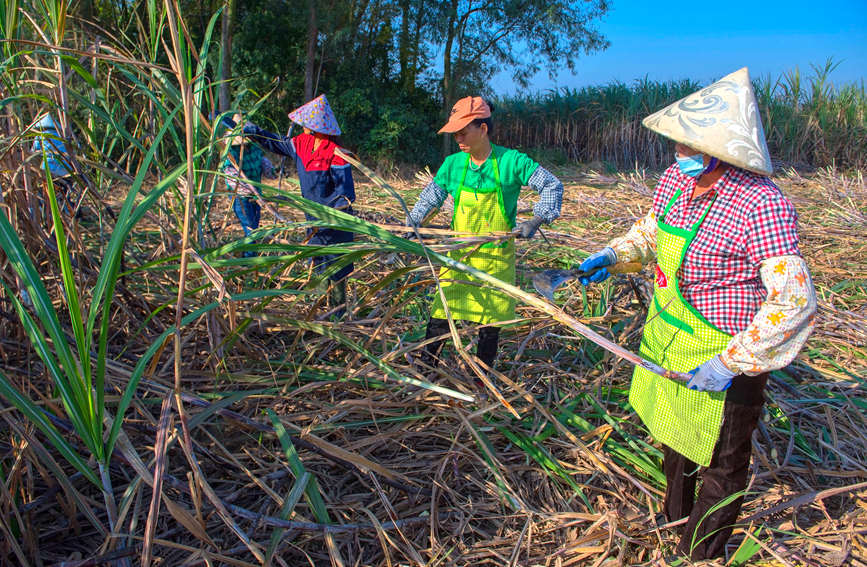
(528, 228)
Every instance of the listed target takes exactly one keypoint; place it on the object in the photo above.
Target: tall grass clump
(809, 121)
(592, 123)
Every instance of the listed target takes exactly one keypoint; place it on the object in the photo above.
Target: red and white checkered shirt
(750, 221)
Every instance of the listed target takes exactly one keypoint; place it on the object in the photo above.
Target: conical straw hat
(316, 115)
(721, 120)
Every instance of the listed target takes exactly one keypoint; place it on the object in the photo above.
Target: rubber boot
(430, 354)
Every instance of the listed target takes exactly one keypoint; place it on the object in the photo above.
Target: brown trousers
(706, 532)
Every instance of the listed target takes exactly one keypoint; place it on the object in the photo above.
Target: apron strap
(693, 229)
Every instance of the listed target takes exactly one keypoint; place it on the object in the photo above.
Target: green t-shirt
(515, 170)
(252, 165)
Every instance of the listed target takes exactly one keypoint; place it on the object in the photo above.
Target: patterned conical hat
(316, 115)
(721, 120)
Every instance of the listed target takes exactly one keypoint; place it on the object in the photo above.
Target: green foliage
(519, 37)
(807, 123)
(78, 377)
(388, 127)
(814, 122)
(379, 118)
(748, 549)
(268, 53)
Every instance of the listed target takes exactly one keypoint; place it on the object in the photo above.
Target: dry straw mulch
(412, 477)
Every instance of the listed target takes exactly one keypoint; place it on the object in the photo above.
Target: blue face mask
(691, 165)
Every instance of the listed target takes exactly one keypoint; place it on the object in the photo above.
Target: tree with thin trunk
(310, 57)
(482, 37)
(226, 43)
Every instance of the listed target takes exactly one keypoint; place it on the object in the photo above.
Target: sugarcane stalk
(530, 299)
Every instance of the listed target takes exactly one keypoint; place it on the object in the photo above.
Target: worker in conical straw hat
(51, 147)
(733, 300)
(324, 178)
(485, 180)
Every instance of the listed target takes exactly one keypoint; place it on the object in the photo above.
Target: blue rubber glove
(712, 376)
(605, 257)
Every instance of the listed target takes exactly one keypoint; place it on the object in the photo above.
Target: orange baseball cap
(465, 111)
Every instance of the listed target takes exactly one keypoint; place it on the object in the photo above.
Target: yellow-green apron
(479, 210)
(677, 337)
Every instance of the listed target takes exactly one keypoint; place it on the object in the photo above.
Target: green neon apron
(479, 210)
(677, 337)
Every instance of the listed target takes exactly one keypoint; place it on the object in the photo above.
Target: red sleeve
(337, 161)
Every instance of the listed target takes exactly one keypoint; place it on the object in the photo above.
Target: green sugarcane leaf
(34, 413)
(388, 370)
(298, 490)
(543, 457)
(82, 371)
(76, 409)
(747, 549)
(314, 497)
(103, 291)
(44, 308)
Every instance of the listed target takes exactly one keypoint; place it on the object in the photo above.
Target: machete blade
(547, 281)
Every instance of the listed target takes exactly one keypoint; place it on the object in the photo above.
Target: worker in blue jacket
(324, 178)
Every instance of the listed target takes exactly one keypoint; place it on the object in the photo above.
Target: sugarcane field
(373, 284)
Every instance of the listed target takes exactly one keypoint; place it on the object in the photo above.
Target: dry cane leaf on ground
(484, 487)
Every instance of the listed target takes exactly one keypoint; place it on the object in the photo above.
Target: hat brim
(326, 131)
(455, 125)
(712, 151)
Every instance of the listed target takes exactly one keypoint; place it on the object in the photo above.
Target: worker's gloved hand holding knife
(712, 376)
(527, 229)
(596, 266)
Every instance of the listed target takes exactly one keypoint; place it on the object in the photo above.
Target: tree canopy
(390, 68)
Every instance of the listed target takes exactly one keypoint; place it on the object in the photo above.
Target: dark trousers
(489, 340)
(321, 236)
(705, 535)
(248, 211)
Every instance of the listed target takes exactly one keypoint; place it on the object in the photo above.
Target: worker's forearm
(784, 320)
(431, 197)
(639, 244)
(269, 140)
(550, 191)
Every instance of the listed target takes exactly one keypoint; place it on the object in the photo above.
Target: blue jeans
(248, 212)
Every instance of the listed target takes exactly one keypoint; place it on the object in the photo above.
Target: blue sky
(706, 40)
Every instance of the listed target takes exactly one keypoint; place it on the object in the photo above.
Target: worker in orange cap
(484, 179)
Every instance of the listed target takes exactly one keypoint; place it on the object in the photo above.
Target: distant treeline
(808, 122)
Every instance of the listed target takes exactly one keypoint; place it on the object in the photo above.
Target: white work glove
(712, 376)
